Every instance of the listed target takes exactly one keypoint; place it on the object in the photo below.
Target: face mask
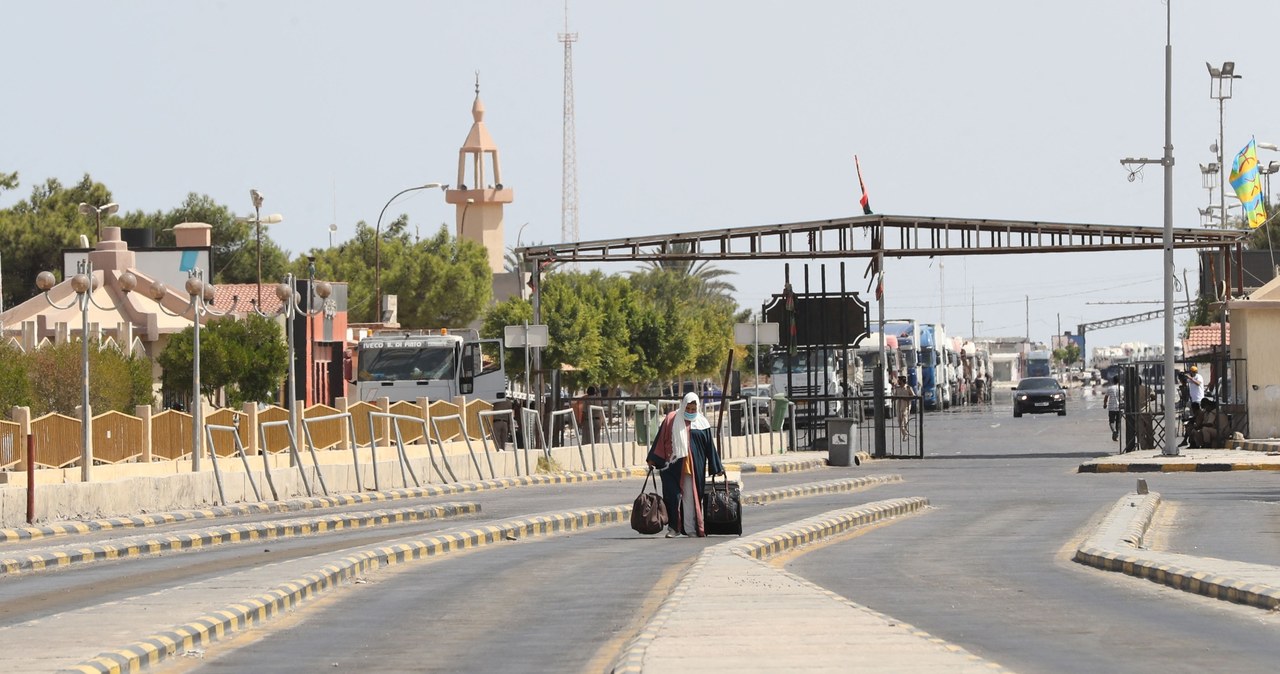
(690, 416)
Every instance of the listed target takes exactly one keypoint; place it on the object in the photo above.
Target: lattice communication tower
(569, 175)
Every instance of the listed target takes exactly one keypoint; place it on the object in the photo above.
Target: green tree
(440, 281)
(693, 330)
(708, 279)
(14, 389)
(116, 381)
(34, 231)
(244, 359)
(1067, 354)
(514, 311)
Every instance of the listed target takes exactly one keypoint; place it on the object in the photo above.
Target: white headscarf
(701, 422)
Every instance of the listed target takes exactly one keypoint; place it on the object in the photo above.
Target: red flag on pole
(865, 200)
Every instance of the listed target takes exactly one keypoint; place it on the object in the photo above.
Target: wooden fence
(166, 436)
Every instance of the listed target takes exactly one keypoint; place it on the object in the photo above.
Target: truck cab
(439, 365)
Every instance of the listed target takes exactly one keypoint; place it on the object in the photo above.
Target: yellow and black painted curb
(1269, 445)
(816, 488)
(1173, 467)
(1210, 585)
(218, 624)
(816, 529)
(312, 503)
(779, 467)
(240, 533)
(1131, 562)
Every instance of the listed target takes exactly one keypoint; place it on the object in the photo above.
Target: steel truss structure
(869, 235)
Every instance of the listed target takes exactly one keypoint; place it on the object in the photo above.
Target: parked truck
(815, 378)
(933, 378)
(869, 353)
(1040, 363)
(434, 364)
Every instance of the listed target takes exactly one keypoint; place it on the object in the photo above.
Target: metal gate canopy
(870, 235)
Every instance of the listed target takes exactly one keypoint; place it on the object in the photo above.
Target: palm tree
(707, 276)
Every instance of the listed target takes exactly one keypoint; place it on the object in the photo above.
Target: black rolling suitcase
(722, 507)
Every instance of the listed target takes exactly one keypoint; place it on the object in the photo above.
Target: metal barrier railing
(217, 474)
(351, 440)
(573, 422)
(294, 457)
(406, 468)
(435, 425)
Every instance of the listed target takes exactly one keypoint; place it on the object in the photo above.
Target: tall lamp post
(97, 212)
(84, 283)
(258, 221)
(291, 307)
(1221, 81)
(1170, 448)
(200, 305)
(377, 247)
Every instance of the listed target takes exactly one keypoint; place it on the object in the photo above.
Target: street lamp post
(290, 308)
(200, 305)
(1170, 448)
(1221, 81)
(84, 283)
(377, 245)
(258, 221)
(97, 212)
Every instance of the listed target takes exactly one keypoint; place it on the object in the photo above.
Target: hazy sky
(690, 115)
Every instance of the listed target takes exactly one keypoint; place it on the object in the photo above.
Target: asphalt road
(986, 567)
(989, 569)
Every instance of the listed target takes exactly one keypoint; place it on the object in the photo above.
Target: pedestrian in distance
(685, 452)
(1195, 388)
(1111, 397)
(902, 395)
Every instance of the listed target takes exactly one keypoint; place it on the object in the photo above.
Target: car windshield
(1038, 384)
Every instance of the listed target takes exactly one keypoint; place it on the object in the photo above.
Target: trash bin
(778, 411)
(842, 441)
(646, 423)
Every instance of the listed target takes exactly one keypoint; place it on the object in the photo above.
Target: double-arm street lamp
(84, 283)
(97, 212)
(258, 221)
(377, 245)
(199, 306)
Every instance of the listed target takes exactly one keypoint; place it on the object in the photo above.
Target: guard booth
(1143, 405)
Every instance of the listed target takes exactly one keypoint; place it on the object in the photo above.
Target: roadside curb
(261, 608)
(1268, 445)
(780, 467)
(1181, 467)
(218, 624)
(241, 533)
(1117, 546)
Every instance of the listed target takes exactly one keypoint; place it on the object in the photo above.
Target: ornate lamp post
(377, 245)
(199, 306)
(84, 283)
(292, 307)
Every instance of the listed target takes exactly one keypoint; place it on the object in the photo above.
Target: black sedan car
(1037, 395)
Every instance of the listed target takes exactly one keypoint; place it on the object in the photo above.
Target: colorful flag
(865, 201)
(1248, 185)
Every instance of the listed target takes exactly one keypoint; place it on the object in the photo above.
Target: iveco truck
(434, 364)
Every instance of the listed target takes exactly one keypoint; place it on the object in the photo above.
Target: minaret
(478, 194)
